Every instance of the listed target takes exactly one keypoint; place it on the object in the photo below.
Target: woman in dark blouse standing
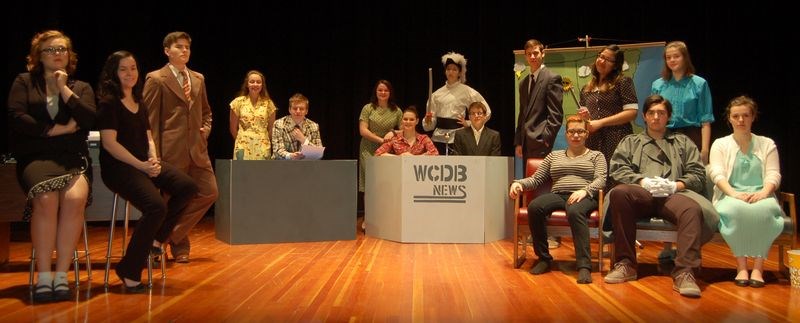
(131, 168)
(609, 102)
(49, 116)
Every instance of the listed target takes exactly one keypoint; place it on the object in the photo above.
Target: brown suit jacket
(176, 122)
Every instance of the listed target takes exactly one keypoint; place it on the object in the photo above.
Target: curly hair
(34, 62)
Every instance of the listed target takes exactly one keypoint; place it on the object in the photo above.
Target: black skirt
(51, 173)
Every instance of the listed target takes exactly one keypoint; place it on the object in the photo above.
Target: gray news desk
(439, 199)
(266, 201)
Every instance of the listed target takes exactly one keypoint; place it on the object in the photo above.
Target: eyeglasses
(577, 131)
(662, 113)
(55, 50)
(477, 114)
(600, 56)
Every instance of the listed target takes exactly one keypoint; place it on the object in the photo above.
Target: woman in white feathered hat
(448, 105)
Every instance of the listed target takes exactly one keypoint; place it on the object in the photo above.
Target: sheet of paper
(312, 152)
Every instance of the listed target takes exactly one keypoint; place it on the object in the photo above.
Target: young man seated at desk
(295, 130)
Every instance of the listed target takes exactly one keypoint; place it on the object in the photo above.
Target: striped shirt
(569, 174)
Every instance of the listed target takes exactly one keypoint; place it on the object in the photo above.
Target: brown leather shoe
(183, 259)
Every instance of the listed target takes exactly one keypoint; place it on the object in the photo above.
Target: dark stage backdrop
(335, 52)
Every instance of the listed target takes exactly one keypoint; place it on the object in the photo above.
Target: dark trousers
(158, 216)
(629, 203)
(577, 215)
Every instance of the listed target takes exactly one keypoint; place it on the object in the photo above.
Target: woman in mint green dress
(746, 172)
(375, 124)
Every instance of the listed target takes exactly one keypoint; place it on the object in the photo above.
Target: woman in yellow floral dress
(252, 117)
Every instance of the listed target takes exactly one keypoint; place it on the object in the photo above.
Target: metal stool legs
(124, 245)
(75, 257)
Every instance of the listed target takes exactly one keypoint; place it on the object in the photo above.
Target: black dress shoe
(62, 294)
(741, 282)
(756, 283)
(43, 293)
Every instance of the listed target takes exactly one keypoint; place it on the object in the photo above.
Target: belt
(447, 123)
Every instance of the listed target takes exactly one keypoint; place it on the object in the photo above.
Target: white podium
(453, 199)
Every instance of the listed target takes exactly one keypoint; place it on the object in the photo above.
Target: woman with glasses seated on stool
(577, 173)
(50, 113)
(130, 167)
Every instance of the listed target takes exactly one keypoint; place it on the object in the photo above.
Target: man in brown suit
(180, 119)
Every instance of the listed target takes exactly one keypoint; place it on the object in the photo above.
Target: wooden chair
(660, 230)
(557, 224)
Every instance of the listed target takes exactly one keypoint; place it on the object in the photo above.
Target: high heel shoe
(135, 289)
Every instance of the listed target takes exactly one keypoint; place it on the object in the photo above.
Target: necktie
(186, 89)
(297, 144)
(530, 85)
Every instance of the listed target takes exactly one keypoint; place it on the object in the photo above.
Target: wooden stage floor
(369, 279)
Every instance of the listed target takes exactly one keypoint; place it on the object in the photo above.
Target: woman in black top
(129, 165)
(49, 114)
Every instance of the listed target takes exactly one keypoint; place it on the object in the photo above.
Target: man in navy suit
(477, 140)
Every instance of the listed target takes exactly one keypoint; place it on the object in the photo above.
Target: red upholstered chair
(557, 224)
